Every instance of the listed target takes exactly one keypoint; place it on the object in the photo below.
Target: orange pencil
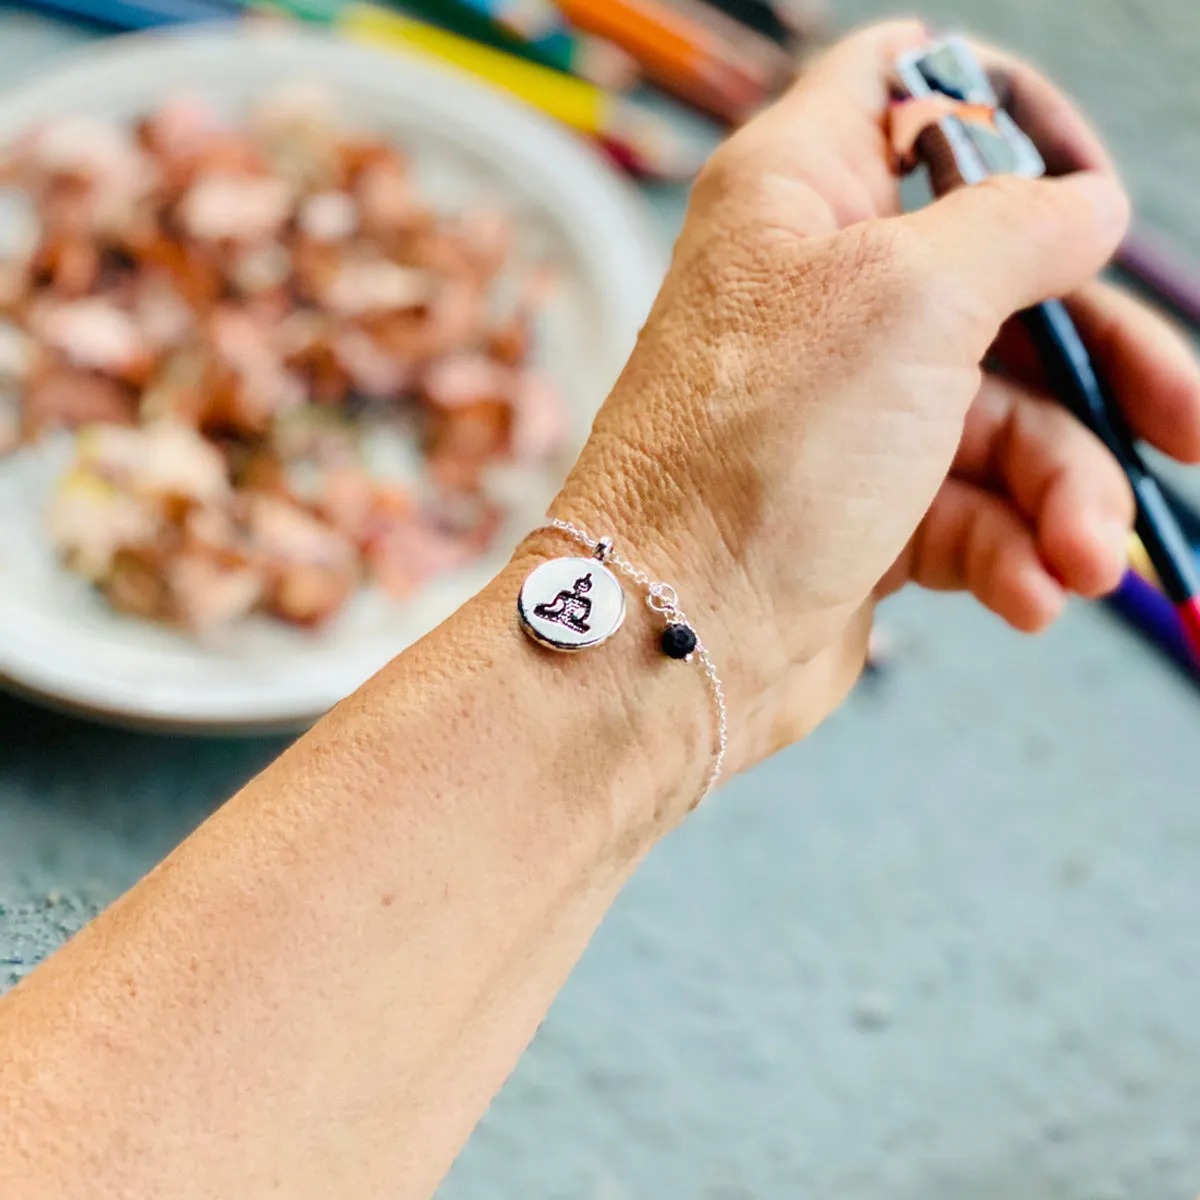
(763, 59)
(676, 53)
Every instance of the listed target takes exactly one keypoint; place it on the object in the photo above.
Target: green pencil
(457, 18)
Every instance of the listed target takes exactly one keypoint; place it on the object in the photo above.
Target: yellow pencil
(573, 101)
(1139, 560)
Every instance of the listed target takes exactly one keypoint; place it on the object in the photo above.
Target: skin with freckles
(319, 992)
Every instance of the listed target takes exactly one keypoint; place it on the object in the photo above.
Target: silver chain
(661, 598)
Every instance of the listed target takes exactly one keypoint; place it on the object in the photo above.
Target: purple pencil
(1163, 268)
(1145, 606)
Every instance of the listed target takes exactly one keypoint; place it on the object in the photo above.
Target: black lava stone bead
(678, 641)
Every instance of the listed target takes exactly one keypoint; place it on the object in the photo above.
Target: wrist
(666, 531)
(786, 660)
(648, 719)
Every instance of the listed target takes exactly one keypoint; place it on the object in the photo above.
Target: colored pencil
(1140, 599)
(1144, 606)
(759, 16)
(471, 22)
(764, 59)
(675, 53)
(1076, 383)
(532, 19)
(598, 60)
(534, 29)
(783, 21)
(138, 14)
(648, 139)
(1162, 268)
(457, 18)
(1139, 560)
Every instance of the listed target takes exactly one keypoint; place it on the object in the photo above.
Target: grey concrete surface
(948, 948)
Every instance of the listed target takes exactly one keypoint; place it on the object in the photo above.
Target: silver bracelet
(570, 604)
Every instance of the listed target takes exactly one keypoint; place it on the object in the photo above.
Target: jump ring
(662, 598)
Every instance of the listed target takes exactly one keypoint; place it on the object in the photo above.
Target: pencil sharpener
(968, 135)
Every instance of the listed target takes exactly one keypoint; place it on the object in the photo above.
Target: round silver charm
(571, 603)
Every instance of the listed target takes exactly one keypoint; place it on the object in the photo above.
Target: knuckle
(726, 173)
(751, 180)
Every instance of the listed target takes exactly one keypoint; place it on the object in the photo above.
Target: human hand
(805, 424)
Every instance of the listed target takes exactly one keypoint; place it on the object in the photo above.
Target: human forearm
(317, 995)
(325, 985)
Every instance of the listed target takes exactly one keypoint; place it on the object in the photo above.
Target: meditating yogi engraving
(572, 608)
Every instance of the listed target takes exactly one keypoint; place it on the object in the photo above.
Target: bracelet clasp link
(662, 598)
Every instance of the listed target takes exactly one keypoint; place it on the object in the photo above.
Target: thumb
(1009, 243)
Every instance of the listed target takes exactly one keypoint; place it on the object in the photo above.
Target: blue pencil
(139, 14)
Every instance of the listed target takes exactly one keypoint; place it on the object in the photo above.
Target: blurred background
(946, 948)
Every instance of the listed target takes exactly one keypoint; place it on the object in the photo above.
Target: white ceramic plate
(60, 640)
